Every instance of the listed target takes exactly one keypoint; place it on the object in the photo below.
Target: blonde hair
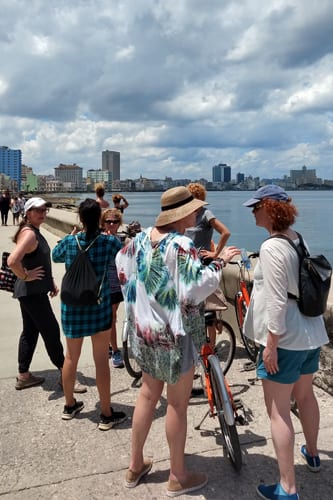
(197, 190)
(99, 190)
(111, 212)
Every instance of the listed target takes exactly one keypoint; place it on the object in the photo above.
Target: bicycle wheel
(225, 413)
(250, 346)
(131, 365)
(225, 344)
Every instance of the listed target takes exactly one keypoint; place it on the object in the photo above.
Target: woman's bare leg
(69, 368)
(176, 423)
(100, 342)
(277, 399)
(149, 394)
(308, 411)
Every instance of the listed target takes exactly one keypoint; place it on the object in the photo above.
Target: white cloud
(176, 87)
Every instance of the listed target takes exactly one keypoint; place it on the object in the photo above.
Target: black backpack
(314, 279)
(80, 286)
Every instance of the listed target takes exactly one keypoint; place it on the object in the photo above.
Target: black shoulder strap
(300, 248)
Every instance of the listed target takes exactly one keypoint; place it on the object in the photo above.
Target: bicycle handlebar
(253, 255)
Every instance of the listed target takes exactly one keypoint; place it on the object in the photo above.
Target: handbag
(7, 277)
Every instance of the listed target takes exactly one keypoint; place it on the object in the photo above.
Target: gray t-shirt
(202, 233)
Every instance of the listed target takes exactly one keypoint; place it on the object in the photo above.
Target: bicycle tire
(132, 367)
(225, 413)
(225, 346)
(250, 346)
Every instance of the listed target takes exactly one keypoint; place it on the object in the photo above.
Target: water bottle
(245, 259)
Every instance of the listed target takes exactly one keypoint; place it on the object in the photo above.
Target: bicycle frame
(229, 411)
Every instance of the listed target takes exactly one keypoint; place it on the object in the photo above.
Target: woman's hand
(228, 253)
(270, 354)
(37, 273)
(270, 359)
(55, 291)
(206, 254)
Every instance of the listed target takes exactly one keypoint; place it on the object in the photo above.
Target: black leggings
(38, 317)
(4, 216)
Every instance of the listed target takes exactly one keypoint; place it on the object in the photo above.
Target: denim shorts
(292, 364)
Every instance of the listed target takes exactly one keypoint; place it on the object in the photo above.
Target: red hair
(282, 213)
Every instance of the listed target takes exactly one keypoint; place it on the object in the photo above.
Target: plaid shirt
(85, 321)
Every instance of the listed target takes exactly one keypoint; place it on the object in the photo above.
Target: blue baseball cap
(271, 191)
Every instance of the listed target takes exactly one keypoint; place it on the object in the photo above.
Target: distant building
(221, 173)
(111, 163)
(70, 176)
(99, 176)
(304, 176)
(240, 178)
(10, 164)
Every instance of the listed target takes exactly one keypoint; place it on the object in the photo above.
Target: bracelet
(25, 277)
(222, 261)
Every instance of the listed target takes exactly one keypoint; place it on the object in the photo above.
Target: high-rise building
(10, 164)
(221, 173)
(111, 162)
(240, 178)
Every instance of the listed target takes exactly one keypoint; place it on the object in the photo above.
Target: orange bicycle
(242, 300)
(220, 400)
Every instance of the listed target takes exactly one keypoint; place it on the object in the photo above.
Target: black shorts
(116, 298)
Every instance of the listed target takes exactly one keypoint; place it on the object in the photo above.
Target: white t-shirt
(270, 309)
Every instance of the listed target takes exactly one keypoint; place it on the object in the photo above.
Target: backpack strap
(88, 247)
(300, 249)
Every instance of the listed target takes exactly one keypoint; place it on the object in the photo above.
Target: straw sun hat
(177, 203)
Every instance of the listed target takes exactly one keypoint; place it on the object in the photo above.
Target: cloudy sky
(176, 86)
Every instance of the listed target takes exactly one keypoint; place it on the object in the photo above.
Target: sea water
(315, 219)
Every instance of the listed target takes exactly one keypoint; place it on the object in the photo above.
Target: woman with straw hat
(164, 285)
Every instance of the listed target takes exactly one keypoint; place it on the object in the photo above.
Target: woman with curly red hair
(289, 341)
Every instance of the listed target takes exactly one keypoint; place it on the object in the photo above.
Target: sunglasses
(109, 221)
(41, 210)
(257, 206)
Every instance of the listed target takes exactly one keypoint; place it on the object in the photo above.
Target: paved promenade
(43, 457)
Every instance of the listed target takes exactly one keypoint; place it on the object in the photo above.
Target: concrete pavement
(43, 457)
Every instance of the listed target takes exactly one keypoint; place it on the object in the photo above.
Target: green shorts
(292, 364)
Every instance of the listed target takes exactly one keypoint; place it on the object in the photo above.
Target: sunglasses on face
(109, 221)
(257, 206)
(41, 210)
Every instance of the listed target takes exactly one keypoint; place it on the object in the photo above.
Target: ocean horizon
(314, 222)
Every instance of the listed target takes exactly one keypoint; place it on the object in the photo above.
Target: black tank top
(39, 257)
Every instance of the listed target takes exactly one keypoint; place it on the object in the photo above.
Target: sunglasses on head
(110, 221)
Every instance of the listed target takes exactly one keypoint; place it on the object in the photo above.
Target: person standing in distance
(100, 192)
(119, 202)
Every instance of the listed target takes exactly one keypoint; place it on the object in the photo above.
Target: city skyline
(175, 87)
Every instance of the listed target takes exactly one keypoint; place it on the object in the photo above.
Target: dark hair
(281, 213)
(90, 213)
(23, 222)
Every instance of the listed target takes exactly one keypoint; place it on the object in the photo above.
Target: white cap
(33, 203)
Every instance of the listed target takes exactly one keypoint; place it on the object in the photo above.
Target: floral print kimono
(164, 285)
